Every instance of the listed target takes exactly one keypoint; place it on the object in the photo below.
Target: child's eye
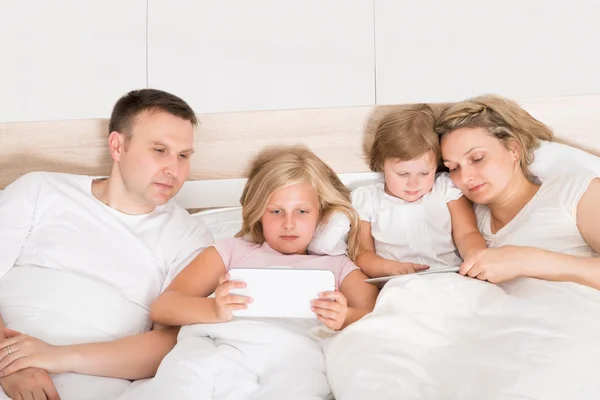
(424, 173)
(275, 212)
(303, 211)
(402, 174)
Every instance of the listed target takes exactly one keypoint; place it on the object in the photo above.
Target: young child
(289, 192)
(415, 219)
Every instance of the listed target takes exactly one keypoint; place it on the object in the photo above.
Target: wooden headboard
(226, 142)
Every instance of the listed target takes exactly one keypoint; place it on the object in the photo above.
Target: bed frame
(226, 142)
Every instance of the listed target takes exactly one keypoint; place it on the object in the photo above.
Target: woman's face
(479, 163)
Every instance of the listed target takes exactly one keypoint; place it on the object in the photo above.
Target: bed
(394, 352)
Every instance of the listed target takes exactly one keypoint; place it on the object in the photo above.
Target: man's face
(155, 160)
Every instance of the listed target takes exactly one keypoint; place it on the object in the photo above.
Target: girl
(289, 192)
(414, 220)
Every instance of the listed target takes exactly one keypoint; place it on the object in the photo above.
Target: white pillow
(329, 239)
(223, 222)
(553, 158)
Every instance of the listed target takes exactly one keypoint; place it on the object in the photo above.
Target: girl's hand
(18, 352)
(402, 268)
(225, 303)
(331, 309)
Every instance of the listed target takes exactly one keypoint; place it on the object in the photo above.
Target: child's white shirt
(419, 232)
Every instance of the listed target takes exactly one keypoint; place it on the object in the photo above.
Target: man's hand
(20, 351)
(29, 384)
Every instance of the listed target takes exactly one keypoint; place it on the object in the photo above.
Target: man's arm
(17, 204)
(133, 357)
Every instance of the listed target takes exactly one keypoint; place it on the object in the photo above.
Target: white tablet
(381, 281)
(281, 292)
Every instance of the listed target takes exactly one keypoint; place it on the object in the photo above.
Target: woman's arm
(465, 233)
(361, 296)
(375, 266)
(185, 301)
(583, 270)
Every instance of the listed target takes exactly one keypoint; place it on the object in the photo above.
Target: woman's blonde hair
(404, 134)
(280, 167)
(502, 118)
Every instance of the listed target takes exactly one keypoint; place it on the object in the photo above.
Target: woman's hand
(331, 309)
(500, 264)
(226, 303)
(401, 268)
(18, 352)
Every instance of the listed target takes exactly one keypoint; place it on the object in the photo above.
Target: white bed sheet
(446, 336)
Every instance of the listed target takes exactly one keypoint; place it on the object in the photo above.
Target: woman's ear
(515, 149)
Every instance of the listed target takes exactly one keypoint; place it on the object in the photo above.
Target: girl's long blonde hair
(502, 118)
(280, 167)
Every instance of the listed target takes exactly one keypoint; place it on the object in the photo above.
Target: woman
(444, 336)
(487, 144)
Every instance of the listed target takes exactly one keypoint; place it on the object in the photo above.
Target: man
(82, 259)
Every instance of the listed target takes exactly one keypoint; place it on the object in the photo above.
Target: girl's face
(410, 180)
(480, 165)
(290, 220)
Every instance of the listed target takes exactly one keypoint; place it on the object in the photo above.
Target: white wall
(70, 59)
(449, 50)
(240, 55)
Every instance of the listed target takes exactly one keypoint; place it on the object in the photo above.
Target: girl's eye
(303, 211)
(275, 212)
(402, 175)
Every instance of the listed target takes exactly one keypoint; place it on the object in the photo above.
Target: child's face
(410, 180)
(290, 220)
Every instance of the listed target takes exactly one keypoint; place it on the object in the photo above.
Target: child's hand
(225, 303)
(402, 268)
(331, 309)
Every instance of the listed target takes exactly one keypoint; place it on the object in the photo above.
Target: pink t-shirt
(239, 253)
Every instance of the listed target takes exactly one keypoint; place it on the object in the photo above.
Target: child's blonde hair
(404, 134)
(280, 167)
(503, 119)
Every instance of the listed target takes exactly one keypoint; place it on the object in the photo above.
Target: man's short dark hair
(135, 102)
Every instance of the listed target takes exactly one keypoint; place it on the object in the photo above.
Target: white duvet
(445, 336)
(240, 360)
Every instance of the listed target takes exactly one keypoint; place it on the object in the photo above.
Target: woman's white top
(548, 221)
(418, 232)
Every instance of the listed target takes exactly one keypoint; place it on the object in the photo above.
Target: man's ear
(116, 145)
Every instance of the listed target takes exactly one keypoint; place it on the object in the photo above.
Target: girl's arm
(562, 267)
(361, 296)
(467, 238)
(186, 301)
(375, 266)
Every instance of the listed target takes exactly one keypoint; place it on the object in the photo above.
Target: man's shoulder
(33, 182)
(182, 220)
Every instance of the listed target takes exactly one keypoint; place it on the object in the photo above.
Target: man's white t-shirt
(74, 270)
